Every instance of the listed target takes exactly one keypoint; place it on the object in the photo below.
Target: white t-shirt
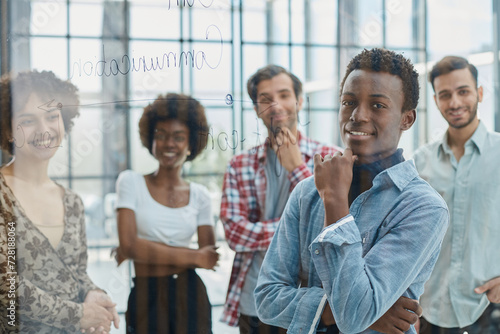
(156, 222)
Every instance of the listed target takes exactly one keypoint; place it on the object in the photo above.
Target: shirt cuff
(334, 226)
(344, 231)
(308, 313)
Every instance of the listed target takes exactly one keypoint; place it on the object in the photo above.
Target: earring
(189, 153)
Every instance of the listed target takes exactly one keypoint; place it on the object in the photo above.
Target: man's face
(457, 97)
(371, 118)
(277, 104)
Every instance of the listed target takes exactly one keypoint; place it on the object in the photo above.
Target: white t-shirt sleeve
(126, 190)
(205, 207)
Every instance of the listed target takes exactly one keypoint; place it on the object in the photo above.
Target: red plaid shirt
(242, 208)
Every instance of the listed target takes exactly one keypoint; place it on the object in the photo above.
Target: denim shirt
(385, 248)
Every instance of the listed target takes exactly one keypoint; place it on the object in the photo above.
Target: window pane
(50, 54)
(280, 55)
(362, 24)
(48, 18)
(280, 21)
(154, 21)
(485, 79)
(323, 22)
(90, 191)
(214, 21)
(324, 126)
(254, 23)
(58, 166)
(298, 21)
(86, 71)
(157, 68)
(142, 161)
(87, 142)
(212, 72)
(299, 62)
(321, 85)
(407, 142)
(222, 141)
(254, 57)
(399, 23)
(450, 21)
(254, 131)
(86, 19)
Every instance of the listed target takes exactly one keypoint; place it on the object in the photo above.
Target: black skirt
(175, 304)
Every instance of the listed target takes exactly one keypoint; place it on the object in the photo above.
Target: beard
(472, 117)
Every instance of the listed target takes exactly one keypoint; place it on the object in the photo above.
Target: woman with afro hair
(157, 216)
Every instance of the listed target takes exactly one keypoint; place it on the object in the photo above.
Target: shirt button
(316, 252)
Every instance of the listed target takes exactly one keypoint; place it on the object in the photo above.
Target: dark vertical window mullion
(269, 30)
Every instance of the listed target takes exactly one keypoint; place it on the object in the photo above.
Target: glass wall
(463, 29)
(123, 53)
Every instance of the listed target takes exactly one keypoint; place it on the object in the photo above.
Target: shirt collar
(479, 137)
(363, 175)
(478, 140)
(380, 165)
(400, 175)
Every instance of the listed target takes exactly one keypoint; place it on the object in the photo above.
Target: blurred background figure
(45, 221)
(158, 214)
(256, 187)
(463, 292)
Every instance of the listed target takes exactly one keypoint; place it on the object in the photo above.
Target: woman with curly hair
(43, 258)
(158, 214)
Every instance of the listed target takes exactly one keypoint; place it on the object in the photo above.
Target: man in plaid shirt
(257, 184)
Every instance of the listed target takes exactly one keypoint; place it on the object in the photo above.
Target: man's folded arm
(361, 289)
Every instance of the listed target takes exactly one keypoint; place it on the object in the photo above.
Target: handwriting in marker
(47, 106)
(229, 99)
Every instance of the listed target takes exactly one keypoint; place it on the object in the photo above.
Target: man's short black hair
(383, 60)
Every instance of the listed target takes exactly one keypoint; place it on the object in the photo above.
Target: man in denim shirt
(366, 229)
(464, 288)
